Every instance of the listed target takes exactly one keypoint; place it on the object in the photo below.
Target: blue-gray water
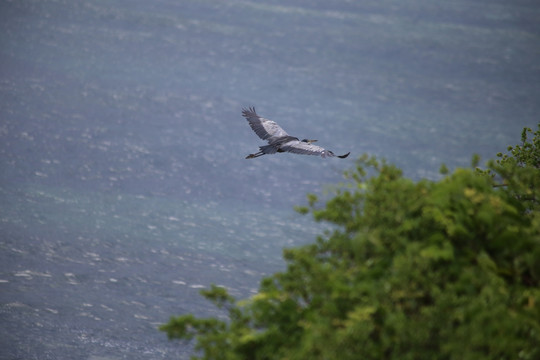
(123, 183)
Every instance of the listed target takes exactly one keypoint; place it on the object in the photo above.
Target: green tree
(518, 169)
(446, 269)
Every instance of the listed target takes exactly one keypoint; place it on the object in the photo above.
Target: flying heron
(279, 140)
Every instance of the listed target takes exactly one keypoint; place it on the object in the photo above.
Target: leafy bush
(446, 269)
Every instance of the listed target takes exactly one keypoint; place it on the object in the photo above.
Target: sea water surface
(123, 184)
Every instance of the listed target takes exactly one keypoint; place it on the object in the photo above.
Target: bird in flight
(279, 141)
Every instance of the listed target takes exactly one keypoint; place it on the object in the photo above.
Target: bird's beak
(312, 141)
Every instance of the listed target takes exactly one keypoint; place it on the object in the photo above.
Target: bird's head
(308, 141)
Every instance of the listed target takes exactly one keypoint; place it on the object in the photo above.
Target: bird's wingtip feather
(249, 111)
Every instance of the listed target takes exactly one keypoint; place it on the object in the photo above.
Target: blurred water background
(123, 184)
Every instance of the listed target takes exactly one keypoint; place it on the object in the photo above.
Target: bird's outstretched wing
(264, 128)
(304, 148)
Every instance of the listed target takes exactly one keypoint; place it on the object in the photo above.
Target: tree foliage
(518, 168)
(446, 269)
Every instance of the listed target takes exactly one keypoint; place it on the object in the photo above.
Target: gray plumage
(278, 139)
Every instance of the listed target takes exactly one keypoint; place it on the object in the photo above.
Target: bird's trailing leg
(252, 156)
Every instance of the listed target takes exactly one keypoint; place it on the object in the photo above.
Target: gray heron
(279, 141)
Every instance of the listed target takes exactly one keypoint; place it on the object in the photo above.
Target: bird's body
(278, 140)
